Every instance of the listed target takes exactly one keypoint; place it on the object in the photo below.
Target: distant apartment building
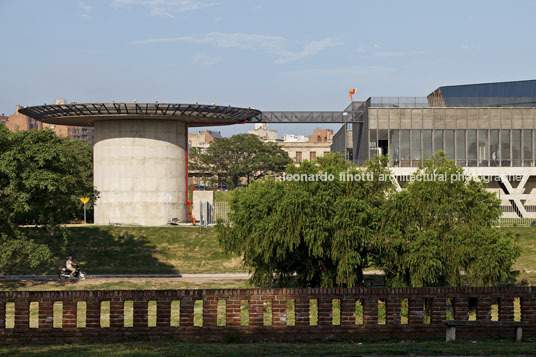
(203, 139)
(317, 145)
(321, 136)
(298, 147)
(200, 140)
(261, 130)
(293, 138)
(21, 122)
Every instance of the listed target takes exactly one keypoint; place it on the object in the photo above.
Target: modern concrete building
(343, 142)
(489, 129)
(140, 154)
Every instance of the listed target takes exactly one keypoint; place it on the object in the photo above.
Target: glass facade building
(473, 137)
(489, 129)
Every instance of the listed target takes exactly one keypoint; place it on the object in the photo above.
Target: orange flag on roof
(352, 91)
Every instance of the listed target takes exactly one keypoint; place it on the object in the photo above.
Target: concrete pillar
(451, 334)
(519, 334)
(139, 169)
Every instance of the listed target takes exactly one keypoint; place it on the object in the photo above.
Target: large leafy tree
(46, 175)
(439, 231)
(42, 177)
(240, 156)
(317, 232)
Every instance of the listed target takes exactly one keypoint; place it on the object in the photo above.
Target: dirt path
(226, 276)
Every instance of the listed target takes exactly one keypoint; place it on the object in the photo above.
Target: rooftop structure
(261, 130)
(140, 154)
(293, 138)
(499, 94)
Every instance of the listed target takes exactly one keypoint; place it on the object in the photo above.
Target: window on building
(438, 141)
(471, 148)
(460, 148)
(312, 155)
(394, 147)
(415, 147)
(298, 156)
(404, 147)
(505, 147)
(494, 149)
(516, 147)
(373, 144)
(383, 141)
(449, 144)
(326, 153)
(483, 151)
(427, 144)
(527, 148)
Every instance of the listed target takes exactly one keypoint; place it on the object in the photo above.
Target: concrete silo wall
(139, 168)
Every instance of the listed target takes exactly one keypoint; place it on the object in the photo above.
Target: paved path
(226, 276)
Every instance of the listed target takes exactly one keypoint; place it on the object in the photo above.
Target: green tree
(42, 177)
(315, 232)
(439, 231)
(46, 176)
(240, 156)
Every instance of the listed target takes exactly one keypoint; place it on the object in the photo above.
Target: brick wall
(260, 314)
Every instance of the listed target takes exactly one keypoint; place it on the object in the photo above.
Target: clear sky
(273, 55)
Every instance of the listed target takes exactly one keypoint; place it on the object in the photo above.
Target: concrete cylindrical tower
(139, 170)
(140, 154)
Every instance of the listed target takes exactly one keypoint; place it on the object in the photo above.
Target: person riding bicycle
(71, 266)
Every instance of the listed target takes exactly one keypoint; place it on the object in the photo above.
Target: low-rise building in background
(20, 122)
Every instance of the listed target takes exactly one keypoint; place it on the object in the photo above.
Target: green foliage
(434, 229)
(434, 232)
(316, 232)
(243, 155)
(18, 253)
(42, 178)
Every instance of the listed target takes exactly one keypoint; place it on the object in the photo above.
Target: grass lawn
(125, 284)
(526, 263)
(172, 348)
(169, 250)
(143, 250)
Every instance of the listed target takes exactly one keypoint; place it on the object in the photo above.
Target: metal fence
(398, 102)
(515, 222)
(221, 211)
(211, 213)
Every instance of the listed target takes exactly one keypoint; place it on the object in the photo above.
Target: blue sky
(273, 55)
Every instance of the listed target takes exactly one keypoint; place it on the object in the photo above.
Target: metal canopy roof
(85, 114)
